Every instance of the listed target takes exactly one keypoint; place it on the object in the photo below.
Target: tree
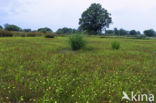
(109, 32)
(116, 32)
(150, 33)
(10, 27)
(123, 32)
(95, 19)
(66, 30)
(1, 28)
(133, 32)
(27, 30)
(45, 30)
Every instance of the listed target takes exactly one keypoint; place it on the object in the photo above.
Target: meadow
(46, 70)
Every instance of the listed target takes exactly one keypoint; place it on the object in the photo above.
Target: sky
(34, 14)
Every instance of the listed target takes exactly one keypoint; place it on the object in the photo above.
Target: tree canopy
(10, 27)
(27, 30)
(1, 27)
(45, 30)
(150, 33)
(95, 19)
(65, 30)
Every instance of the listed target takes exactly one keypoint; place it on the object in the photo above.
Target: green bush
(4, 33)
(141, 37)
(49, 35)
(77, 41)
(34, 34)
(115, 45)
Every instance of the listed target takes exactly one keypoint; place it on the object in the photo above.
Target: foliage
(109, 32)
(133, 32)
(49, 35)
(150, 33)
(10, 27)
(34, 34)
(115, 45)
(27, 30)
(65, 30)
(45, 30)
(95, 19)
(4, 33)
(77, 41)
(123, 32)
(141, 37)
(1, 28)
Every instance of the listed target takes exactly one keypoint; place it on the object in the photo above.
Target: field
(44, 70)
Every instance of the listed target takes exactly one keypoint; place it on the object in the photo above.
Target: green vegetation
(150, 33)
(41, 70)
(76, 41)
(115, 45)
(5, 33)
(46, 70)
(1, 28)
(66, 30)
(11, 27)
(45, 30)
(95, 19)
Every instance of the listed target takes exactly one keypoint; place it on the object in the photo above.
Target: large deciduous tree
(95, 19)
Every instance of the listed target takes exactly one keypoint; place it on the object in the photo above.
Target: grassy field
(42, 70)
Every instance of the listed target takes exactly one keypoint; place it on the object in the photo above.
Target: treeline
(14, 30)
(11, 27)
(123, 32)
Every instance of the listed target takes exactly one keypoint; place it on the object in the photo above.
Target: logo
(138, 97)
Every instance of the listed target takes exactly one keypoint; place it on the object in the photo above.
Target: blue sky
(127, 14)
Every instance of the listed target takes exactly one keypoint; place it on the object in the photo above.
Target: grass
(115, 45)
(41, 70)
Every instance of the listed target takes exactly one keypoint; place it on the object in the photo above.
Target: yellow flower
(21, 98)
(34, 100)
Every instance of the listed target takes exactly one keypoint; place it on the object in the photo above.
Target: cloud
(128, 14)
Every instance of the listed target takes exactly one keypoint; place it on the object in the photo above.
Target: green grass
(43, 70)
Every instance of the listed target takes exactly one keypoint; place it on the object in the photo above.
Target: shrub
(34, 34)
(4, 33)
(141, 37)
(77, 41)
(115, 45)
(49, 35)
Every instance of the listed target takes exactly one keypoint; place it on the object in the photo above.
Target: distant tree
(10, 27)
(1, 27)
(95, 19)
(133, 32)
(123, 32)
(109, 32)
(138, 33)
(45, 30)
(66, 30)
(27, 30)
(150, 33)
(116, 32)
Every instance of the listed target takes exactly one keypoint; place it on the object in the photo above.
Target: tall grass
(115, 45)
(77, 41)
